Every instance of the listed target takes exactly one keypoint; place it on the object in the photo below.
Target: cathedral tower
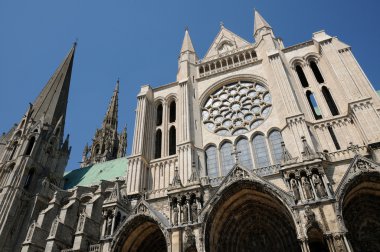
(35, 153)
(107, 144)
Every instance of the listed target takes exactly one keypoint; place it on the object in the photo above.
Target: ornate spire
(52, 101)
(111, 116)
(187, 45)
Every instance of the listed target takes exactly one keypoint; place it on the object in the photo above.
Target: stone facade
(255, 147)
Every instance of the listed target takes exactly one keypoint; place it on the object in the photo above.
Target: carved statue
(185, 211)
(81, 221)
(309, 215)
(307, 188)
(294, 187)
(194, 212)
(109, 225)
(175, 215)
(321, 192)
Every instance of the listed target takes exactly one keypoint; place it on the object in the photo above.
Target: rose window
(237, 108)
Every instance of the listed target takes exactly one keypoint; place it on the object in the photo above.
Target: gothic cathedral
(254, 147)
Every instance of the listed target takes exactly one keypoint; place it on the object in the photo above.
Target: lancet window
(212, 162)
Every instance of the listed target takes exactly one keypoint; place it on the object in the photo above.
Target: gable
(225, 41)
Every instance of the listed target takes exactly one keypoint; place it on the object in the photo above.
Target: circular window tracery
(237, 108)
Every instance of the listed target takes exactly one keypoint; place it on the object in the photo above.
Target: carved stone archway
(361, 212)
(358, 204)
(248, 216)
(139, 234)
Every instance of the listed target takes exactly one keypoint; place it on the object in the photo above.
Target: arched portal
(248, 218)
(140, 234)
(361, 208)
(316, 241)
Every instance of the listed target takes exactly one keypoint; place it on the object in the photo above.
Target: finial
(75, 43)
(221, 24)
(186, 28)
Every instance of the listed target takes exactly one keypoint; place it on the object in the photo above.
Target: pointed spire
(187, 45)
(111, 115)
(259, 23)
(52, 101)
(65, 145)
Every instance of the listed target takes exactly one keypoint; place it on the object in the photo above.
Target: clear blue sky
(139, 41)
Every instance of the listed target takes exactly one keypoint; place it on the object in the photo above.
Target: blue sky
(139, 42)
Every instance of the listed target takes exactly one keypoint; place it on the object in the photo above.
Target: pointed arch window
(172, 109)
(211, 162)
(313, 105)
(245, 155)
(330, 101)
(275, 140)
(30, 146)
(159, 115)
(14, 148)
(302, 76)
(227, 161)
(97, 149)
(29, 178)
(158, 142)
(333, 137)
(172, 141)
(314, 67)
(261, 151)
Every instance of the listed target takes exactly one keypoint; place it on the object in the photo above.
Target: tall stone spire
(52, 101)
(187, 45)
(110, 119)
(260, 23)
(187, 57)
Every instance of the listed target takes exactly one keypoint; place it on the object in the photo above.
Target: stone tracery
(237, 108)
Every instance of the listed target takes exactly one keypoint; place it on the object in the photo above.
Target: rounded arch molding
(215, 86)
(354, 178)
(128, 234)
(358, 204)
(251, 197)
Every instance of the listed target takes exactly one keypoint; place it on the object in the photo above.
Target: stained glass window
(212, 162)
(227, 158)
(236, 108)
(245, 159)
(275, 140)
(261, 151)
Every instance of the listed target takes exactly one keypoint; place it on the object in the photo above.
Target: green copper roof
(93, 174)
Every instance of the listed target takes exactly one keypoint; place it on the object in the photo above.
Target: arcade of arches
(247, 216)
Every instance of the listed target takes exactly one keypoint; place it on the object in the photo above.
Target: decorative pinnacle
(221, 24)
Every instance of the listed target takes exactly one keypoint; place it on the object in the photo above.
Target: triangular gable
(225, 41)
(358, 166)
(239, 173)
(145, 208)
